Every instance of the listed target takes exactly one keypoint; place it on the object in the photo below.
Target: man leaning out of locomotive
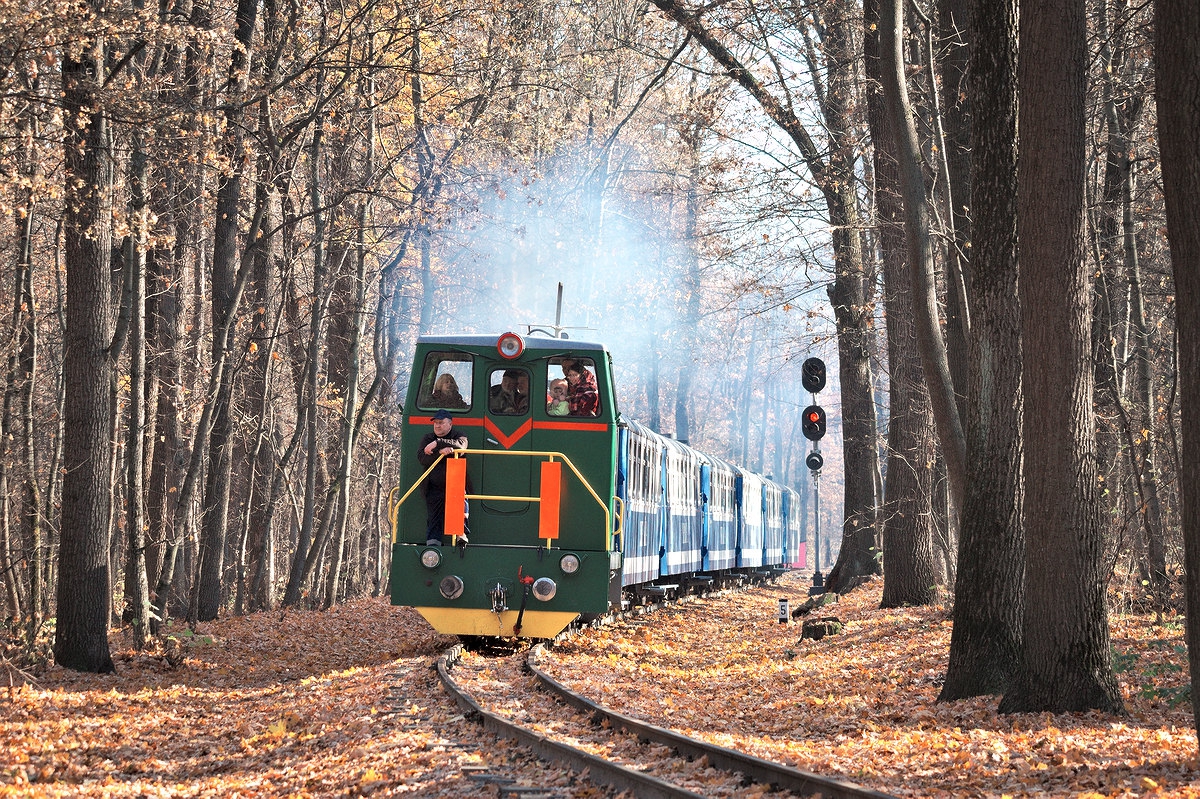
(442, 440)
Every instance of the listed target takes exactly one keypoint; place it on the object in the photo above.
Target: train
(560, 509)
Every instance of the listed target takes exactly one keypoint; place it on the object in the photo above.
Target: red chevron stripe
(507, 441)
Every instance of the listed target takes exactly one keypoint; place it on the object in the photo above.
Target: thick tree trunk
(1177, 61)
(84, 584)
(1065, 663)
(989, 588)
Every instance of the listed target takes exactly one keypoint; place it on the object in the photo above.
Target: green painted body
(504, 460)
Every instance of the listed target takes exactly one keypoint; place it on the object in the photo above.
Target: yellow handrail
(394, 506)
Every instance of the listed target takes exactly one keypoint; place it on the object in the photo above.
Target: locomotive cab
(530, 520)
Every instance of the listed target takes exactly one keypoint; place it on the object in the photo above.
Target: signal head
(812, 422)
(814, 461)
(812, 374)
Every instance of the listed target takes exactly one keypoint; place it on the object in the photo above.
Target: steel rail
(777, 775)
(600, 770)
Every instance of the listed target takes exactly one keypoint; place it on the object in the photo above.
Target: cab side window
(508, 392)
(446, 382)
(580, 392)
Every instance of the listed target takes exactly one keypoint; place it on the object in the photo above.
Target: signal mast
(812, 425)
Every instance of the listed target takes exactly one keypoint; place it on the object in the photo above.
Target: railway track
(515, 699)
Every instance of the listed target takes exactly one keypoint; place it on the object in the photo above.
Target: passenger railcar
(550, 516)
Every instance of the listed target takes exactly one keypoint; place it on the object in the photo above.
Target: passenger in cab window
(583, 398)
(511, 395)
(556, 400)
(445, 393)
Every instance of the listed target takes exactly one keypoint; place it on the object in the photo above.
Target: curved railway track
(655, 763)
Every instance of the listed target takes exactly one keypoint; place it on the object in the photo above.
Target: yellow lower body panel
(478, 621)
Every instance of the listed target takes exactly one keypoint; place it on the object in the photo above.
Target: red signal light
(813, 422)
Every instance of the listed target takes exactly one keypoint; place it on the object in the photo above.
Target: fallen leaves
(343, 703)
(862, 704)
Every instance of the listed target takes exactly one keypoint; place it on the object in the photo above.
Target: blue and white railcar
(773, 523)
(794, 543)
(751, 530)
(639, 486)
(683, 551)
(719, 486)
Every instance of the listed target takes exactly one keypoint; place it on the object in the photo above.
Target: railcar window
(508, 392)
(446, 381)
(571, 388)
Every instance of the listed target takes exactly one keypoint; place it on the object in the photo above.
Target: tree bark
(1065, 663)
(930, 344)
(1177, 91)
(989, 587)
(907, 512)
(84, 580)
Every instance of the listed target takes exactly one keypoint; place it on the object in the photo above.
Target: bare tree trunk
(84, 584)
(1177, 92)
(930, 343)
(1110, 302)
(989, 587)
(137, 590)
(690, 319)
(308, 548)
(1065, 662)
(224, 293)
(23, 366)
(907, 513)
(954, 53)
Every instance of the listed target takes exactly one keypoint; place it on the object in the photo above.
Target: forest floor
(345, 703)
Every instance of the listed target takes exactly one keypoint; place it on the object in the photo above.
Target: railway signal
(812, 424)
(814, 461)
(812, 374)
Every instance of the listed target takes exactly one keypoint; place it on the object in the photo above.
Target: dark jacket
(437, 478)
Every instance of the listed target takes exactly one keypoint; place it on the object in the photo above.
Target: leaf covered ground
(861, 705)
(345, 703)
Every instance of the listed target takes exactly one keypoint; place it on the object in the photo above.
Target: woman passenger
(445, 393)
(583, 397)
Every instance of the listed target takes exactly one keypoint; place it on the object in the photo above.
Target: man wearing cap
(442, 440)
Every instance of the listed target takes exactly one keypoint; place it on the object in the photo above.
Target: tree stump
(816, 629)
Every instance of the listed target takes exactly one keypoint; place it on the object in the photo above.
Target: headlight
(510, 346)
(431, 557)
(569, 564)
(544, 589)
(451, 587)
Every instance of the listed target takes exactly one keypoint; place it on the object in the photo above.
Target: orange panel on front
(551, 493)
(456, 494)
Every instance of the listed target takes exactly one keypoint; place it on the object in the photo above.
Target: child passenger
(556, 403)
